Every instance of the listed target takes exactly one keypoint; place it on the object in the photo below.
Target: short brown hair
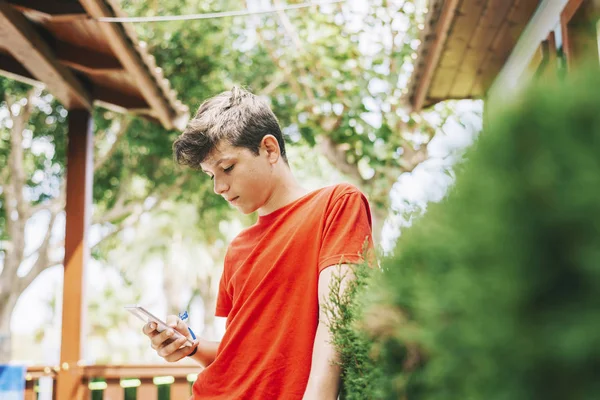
(237, 116)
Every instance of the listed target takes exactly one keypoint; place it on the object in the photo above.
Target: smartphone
(146, 316)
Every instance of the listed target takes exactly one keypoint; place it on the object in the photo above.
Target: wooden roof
(463, 47)
(82, 61)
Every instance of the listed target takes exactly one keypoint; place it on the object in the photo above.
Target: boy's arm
(206, 353)
(324, 379)
(174, 350)
(206, 350)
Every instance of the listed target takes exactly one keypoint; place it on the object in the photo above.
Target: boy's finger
(183, 328)
(181, 353)
(159, 339)
(172, 320)
(176, 323)
(171, 348)
(149, 328)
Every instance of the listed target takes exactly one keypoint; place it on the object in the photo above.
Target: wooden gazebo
(464, 45)
(490, 49)
(82, 62)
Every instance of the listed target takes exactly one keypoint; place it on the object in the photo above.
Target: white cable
(216, 15)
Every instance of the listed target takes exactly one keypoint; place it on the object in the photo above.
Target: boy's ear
(271, 146)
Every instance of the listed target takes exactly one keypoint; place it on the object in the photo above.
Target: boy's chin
(246, 210)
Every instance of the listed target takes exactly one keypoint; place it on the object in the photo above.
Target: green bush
(344, 308)
(495, 293)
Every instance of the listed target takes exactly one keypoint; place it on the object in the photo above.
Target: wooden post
(113, 390)
(78, 209)
(579, 21)
(181, 389)
(147, 390)
(30, 390)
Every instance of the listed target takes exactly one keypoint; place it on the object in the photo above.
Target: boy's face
(242, 178)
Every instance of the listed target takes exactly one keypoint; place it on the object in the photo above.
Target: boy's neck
(286, 191)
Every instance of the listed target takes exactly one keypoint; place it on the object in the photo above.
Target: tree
(328, 92)
(133, 174)
(345, 95)
(191, 258)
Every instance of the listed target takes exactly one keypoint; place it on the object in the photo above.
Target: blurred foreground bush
(495, 292)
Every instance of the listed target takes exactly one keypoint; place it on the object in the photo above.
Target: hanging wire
(217, 14)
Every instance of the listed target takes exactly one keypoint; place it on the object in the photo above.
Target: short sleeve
(347, 231)
(224, 300)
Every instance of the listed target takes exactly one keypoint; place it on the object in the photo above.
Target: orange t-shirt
(268, 292)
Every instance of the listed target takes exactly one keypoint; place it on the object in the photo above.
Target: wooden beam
(132, 61)
(536, 65)
(120, 99)
(550, 69)
(51, 8)
(85, 59)
(543, 21)
(468, 27)
(9, 64)
(579, 31)
(13, 69)
(109, 98)
(80, 167)
(565, 17)
(433, 57)
(29, 48)
(481, 43)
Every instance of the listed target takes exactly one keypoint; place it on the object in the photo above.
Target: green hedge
(495, 293)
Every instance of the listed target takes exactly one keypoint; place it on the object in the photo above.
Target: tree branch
(16, 181)
(131, 220)
(289, 76)
(54, 205)
(43, 259)
(120, 209)
(17, 210)
(121, 129)
(123, 209)
(275, 82)
(9, 104)
(336, 155)
(4, 172)
(287, 25)
(291, 31)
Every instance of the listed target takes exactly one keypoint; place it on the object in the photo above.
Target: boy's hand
(170, 349)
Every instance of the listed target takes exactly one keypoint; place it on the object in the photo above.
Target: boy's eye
(228, 169)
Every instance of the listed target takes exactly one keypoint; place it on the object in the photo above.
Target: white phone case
(146, 316)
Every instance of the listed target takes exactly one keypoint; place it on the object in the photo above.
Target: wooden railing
(120, 382)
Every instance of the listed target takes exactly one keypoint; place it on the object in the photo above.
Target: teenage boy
(277, 273)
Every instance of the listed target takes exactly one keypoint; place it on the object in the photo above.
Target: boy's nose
(220, 187)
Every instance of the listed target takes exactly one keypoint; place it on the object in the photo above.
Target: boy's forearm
(206, 353)
(324, 378)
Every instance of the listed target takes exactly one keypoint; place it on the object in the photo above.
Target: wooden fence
(118, 382)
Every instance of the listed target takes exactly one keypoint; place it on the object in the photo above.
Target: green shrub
(345, 309)
(495, 293)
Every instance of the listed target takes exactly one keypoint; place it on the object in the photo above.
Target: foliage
(329, 90)
(342, 72)
(493, 293)
(334, 76)
(345, 308)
